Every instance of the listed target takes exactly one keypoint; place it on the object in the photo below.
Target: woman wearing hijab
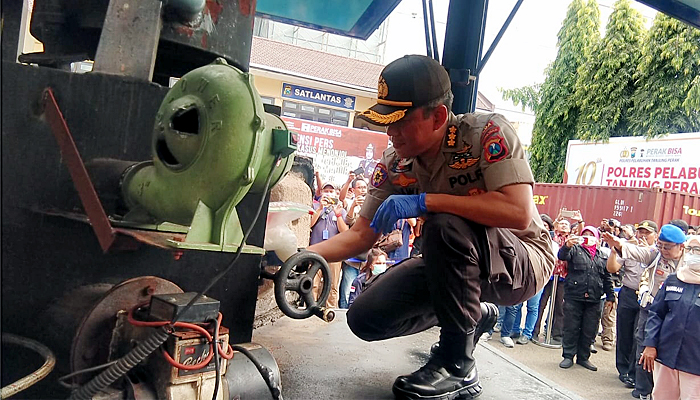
(672, 347)
(586, 281)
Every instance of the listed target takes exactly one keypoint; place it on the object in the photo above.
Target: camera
(359, 171)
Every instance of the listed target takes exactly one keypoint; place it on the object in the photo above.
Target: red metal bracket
(88, 196)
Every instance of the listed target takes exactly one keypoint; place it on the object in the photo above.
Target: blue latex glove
(396, 207)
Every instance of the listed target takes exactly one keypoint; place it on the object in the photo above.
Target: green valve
(284, 142)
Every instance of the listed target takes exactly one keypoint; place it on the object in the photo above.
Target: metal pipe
(34, 377)
(550, 315)
(427, 30)
(498, 37)
(436, 53)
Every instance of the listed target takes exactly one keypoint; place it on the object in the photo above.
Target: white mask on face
(693, 262)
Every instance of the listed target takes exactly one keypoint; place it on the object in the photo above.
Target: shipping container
(627, 205)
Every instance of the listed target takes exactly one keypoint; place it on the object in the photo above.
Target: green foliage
(526, 96)
(557, 112)
(692, 101)
(666, 98)
(605, 81)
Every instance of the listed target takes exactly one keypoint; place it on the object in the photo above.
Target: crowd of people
(336, 209)
(608, 278)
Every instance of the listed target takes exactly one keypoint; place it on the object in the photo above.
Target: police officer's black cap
(409, 82)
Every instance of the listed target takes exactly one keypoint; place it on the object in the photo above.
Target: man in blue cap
(662, 261)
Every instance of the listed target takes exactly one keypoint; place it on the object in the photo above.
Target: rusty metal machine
(141, 276)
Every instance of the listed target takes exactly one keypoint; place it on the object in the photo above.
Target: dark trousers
(443, 287)
(627, 314)
(558, 318)
(581, 319)
(644, 380)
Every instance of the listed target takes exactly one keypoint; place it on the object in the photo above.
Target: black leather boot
(489, 316)
(449, 374)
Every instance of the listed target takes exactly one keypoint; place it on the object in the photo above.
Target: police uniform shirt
(657, 270)
(631, 273)
(480, 153)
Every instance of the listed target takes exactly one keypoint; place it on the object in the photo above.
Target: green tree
(605, 82)
(526, 96)
(666, 99)
(557, 112)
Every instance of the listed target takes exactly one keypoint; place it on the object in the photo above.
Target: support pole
(464, 37)
(428, 50)
(550, 316)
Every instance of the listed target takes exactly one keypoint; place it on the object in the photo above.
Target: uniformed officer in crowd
(662, 260)
(627, 306)
(672, 348)
(483, 238)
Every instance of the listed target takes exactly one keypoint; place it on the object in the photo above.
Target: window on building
(268, 100)
(315, 113)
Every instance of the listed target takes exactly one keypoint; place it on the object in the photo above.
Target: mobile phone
(359, 171)
(567, 213)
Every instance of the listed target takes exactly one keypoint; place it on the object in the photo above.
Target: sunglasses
(666, 246)
(693, 249)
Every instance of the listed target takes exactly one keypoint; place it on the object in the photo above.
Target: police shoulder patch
(379, 175)
(495, 148)
(490, 129)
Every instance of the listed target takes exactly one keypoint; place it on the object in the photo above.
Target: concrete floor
(602, 384)
(326, 361)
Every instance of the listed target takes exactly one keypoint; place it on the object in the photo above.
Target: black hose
(217, 362)
(265, 371)
(126, 363)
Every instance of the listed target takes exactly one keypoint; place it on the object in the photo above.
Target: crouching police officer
(483, 238)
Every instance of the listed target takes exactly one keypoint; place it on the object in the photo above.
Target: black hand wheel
(297, 276)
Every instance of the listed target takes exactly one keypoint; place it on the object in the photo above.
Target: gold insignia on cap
(382, 88)
(384, 119)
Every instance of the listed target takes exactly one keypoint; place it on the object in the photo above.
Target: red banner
(337, 150)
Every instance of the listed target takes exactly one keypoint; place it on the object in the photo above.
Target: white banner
(672, 162)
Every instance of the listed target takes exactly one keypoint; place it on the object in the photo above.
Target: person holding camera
(662, 260)
(328, 220)
(586, 281)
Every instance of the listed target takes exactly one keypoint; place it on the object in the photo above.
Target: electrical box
(165, 306)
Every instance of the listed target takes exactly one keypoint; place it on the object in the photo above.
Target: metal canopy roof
(687, 11)
(353, 18)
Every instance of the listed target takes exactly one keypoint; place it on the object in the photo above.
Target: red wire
(207, 335)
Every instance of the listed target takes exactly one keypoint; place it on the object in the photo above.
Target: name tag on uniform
(674, 289)
(325, 234)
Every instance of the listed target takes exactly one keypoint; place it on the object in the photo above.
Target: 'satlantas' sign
(318, 96)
